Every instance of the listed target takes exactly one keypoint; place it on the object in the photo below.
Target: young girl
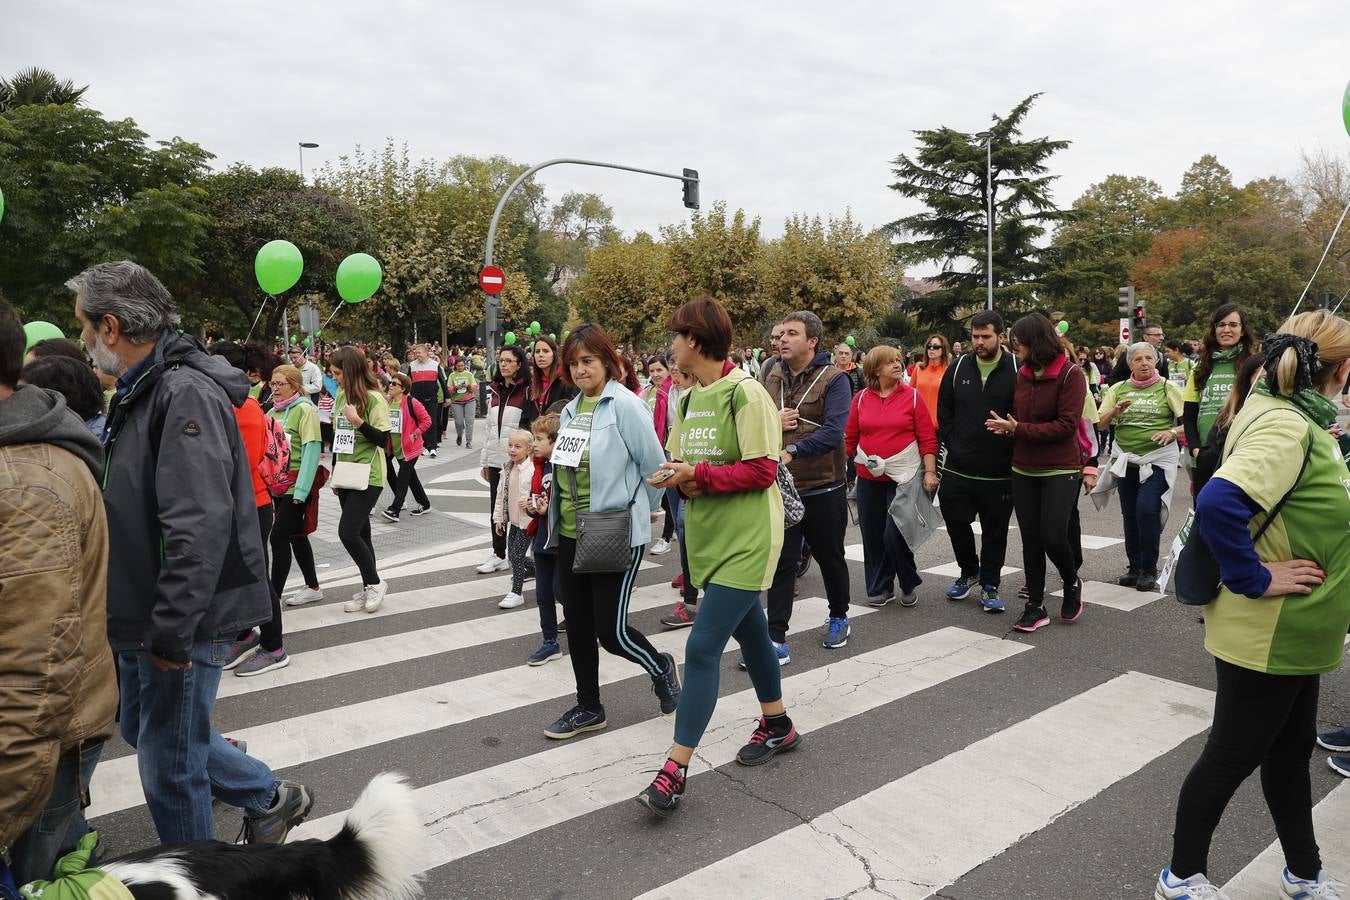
(546, 591)
(326, 404)
(511, 516)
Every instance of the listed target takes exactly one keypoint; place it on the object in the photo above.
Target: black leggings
(1044, 505)
(1259, 720)
(269, 633)
(596, 606)
(354, 529)
(405, 479)
(287, 540)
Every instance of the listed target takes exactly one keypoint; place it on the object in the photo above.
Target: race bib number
(396, 421)
(344, 436)
(568, 448)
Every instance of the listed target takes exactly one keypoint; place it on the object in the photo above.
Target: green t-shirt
(567, 525)
(255, 390)
(987, 367)
(1152, 409)
(1179, 371)
(377, 414)
(732, 539)
(1297, 634)
(301, 422)
(461, 386)
(1217, 388)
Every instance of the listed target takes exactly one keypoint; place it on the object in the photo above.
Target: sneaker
(292, 805)
(357, 603)
(577, 720)
(962, 587)
(469, 445)
(1024, 594)
(419, 511)
(263, 661)
(766, 742)
(241, 746)
(682, 616)
(1071, 610)
(562, 626)
(837, 632)
(660, 547)
(1148, 580)
(375, 596)
(304, 595)
(511, 601)
(1197, 887)
(805, 562)
(1340, 765)
(389, 515)
(493, 563)
(1320, 888)
(666, 789)
(990, 600)
(1033, 617)
(678, 582)
(1130, 578)
(1335, 741)
(779, 648)
(910, 600)
(879, 602)
(431, 453)
(242, 650)
(666, 686)
(547, 652)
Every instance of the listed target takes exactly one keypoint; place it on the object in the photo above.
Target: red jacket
(253, 428)
(415, 415)
(888, 425)
(1047, 408)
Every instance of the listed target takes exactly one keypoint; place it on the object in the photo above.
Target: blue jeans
(1141, 509)
(61, 824)
(183, 761)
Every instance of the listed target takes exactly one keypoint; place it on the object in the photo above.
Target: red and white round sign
(492, 279)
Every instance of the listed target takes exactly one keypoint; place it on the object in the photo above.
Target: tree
(1208, 195)
(625, 288)
(948, 175)
(37, 87)
(578, 224)
(720, 257)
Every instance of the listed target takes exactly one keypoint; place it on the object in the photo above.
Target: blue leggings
(724, 613)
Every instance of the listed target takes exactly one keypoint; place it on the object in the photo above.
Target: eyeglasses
(1228, 326)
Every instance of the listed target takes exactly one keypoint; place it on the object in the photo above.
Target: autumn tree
(625, 288)
(720, 256)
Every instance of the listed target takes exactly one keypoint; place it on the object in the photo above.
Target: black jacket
(186, 560)
(967, 447)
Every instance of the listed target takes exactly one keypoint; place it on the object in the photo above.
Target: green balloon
(1345, 114)
(534, 327)
(509, 338)
(278, 267)
(565, 334)
(850, 340)
(553, 337)
(358, 277)
(1062, 327)
(39, 331)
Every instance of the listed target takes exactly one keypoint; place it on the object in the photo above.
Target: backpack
(275, 465)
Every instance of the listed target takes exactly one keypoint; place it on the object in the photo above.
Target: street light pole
(305, 145)
(988, 137)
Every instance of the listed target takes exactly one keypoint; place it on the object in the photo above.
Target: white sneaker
(660, 546)
(511, 601)
(492, 564)
(375, 596)
(305, 595)
(357, 603)
(1197, 887)
(1322, 888)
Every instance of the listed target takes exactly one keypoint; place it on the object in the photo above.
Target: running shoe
(660, 547)
(242, 650)
(375, 596)
(1319, 888)
(577, 720)
(431, 453)
(241, 746)
(910, 600)
(962, 587)
(666, 686)
(1340, 765)
(1130, 578)
(511, 601)
(493, 563)
(1336, 741)
(1032, 617)
(837, 631)
(879, 602)
(1023, 594)
(419, 511)
(389, 515)
(1197, 887)
(263, 661)
(663, 795)
(547, 652)
(357, 603)
(682, 616)
(780, 649)
(292, 804)
(304, 595)
(1148, 580)
(1071, 610)
(766, 742)
(990, 601)
(678, 582)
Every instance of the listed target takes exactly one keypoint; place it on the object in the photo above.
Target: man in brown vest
(813, 399)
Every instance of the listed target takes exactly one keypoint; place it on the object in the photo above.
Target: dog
(375, 856)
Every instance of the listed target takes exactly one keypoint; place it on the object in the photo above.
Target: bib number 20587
(569, 447)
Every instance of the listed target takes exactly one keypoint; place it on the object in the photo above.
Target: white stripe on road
(455, 492)
(328, 732)
(297, 581)
(1126, 599)
(494, 806)
(953, 570)
(924, 831)
(1260, 878)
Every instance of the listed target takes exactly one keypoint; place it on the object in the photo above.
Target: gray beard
(108, 362)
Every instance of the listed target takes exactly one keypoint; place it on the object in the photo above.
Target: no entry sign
(1124, 331)
(492, 279)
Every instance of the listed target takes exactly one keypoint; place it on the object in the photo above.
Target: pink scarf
(282, 404)
(1146, 384)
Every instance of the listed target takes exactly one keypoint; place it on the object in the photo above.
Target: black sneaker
(667, 685)
(289, 809)
(766, 742)
(1148, 580)
(577, 720)
(666, 789)
(962, 587)
(804, 563)
(419, 511)
(389, 514)
(1024, 594)
(1130, 578)
(1033, 617)
(562, 625)
(1071, 610)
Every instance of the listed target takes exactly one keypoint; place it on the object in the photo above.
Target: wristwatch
(791, 448)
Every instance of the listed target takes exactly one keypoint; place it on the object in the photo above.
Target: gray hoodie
(35, 415)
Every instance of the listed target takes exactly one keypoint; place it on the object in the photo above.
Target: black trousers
(432, 439)
(498, 540)
(269, 633)
(965, 499)
(354, 529)
(287, 542)
(1044, 505)
(405, 479)
(1261, 720)
(886, 556)
(596, 607)
(823, 528)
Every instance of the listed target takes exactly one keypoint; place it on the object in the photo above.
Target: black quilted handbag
(603, 536)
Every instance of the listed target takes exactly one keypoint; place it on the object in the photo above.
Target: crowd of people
(594, 456)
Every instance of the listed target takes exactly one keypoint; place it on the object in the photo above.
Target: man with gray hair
(185, 571)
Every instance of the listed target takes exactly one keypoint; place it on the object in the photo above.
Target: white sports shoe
(375, 596)
(1322, 888)
(660, 546)
(1197, 887)
(492, 564)
(303, 596)
(511, 601)
(357, 603)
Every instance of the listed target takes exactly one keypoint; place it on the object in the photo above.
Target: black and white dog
(375, 856)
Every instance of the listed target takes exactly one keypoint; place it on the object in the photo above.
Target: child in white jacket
(510, 517)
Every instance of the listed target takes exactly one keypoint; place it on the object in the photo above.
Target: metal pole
(989, 191)
(490, 305)
(302, 163)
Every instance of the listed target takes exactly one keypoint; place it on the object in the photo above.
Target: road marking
(1260, 878)
(343, 576)
(953, 570)
(1126, 599)
(453, 492)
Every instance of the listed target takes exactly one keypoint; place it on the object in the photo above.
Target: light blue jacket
(624, 450)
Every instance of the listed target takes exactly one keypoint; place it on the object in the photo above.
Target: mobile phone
(663, 475)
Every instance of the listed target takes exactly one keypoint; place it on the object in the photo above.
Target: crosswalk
(935, 745)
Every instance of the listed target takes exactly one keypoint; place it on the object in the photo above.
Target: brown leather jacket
(58, 682)
(807, 394)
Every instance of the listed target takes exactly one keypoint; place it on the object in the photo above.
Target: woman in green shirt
(1227, 344)
(300, 420)
(360, 434)
(463, 396)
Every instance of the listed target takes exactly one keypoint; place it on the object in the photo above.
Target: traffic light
(1139, 320)
(1125, 298)
(691, 188)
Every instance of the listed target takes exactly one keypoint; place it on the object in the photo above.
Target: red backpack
(275, 465)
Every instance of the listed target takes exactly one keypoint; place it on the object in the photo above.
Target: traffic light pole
(689, 178)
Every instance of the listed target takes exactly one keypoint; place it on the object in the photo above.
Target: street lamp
(988, 138)
(305, 145)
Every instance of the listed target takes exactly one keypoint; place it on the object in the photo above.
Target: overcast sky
(782, 107)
